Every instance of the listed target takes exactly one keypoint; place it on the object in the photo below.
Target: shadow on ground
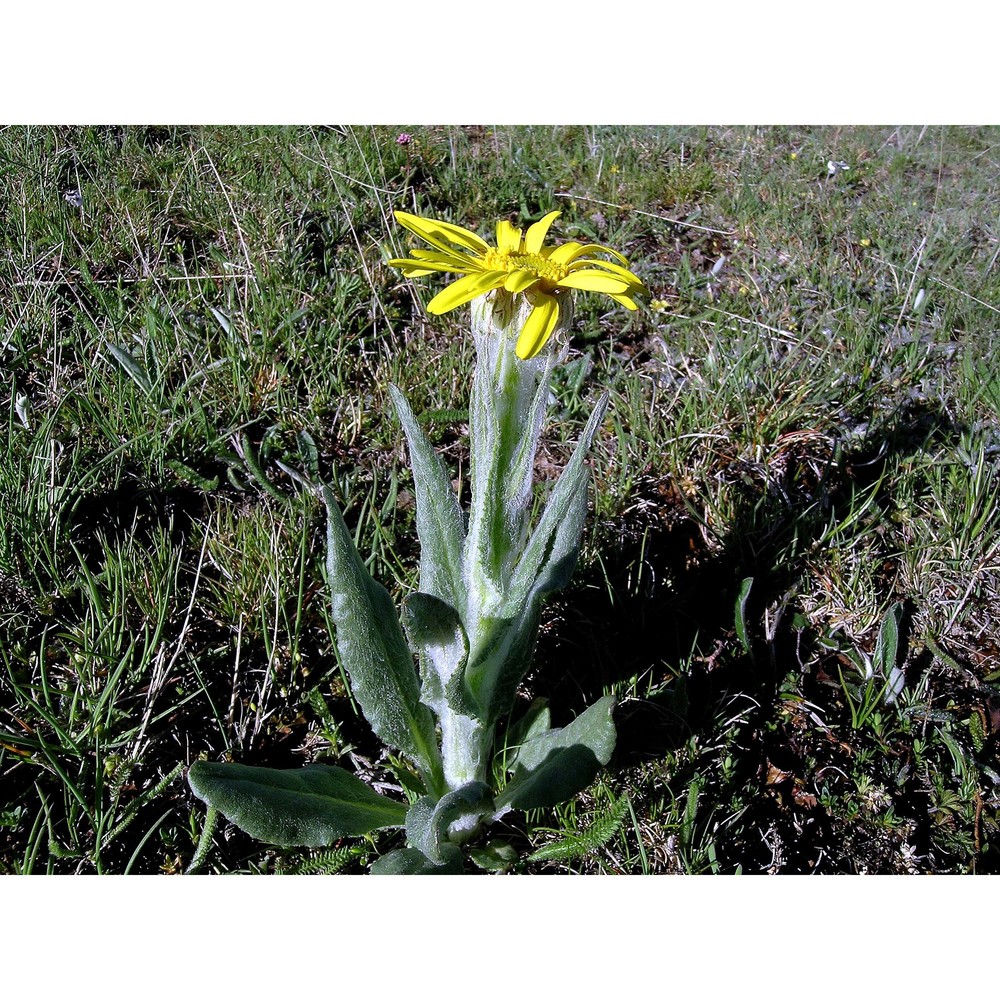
(656, 611)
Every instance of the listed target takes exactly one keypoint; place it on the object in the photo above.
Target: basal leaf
(460, 811)
(495, 856)
(409, 861)
(305, 807)
(559, 763)
(428, 822)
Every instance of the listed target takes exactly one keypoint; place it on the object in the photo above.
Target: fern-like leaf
(596, 835)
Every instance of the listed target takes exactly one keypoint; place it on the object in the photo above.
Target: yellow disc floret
(548, 272)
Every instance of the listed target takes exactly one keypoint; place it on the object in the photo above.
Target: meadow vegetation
(791, 573)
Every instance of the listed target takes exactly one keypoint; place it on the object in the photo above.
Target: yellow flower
(521, 264)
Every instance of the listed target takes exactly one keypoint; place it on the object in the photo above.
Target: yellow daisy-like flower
(520, 264)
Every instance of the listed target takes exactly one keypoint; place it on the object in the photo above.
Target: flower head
(520, 264)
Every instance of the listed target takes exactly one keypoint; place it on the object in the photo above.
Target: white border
(455, 61)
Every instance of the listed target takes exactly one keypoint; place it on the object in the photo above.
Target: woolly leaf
(550, 555)
(409, 861)
(374, 652)
(305, 807)
(429, 823)
(436, 633)
(498, 665)
(559, 763)
(440, 524)
(534, 722)
(461, 811)
(501, 660)
(496, 856)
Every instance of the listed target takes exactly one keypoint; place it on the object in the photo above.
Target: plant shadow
(659, 598)
(654, 613)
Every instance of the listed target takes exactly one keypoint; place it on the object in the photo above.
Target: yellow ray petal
(538, 328)
(418, 268)
(440, 256)
(465, 290)
(520, 281)
(535, 236)
(460, 263)
(508, 237)
(622, 272)
(592, 248)
(624, 300)
(564, 253)
(437, 233)
(438, 243)
(413, 268)
(594, 281)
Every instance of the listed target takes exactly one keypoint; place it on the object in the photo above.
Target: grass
(802, 457)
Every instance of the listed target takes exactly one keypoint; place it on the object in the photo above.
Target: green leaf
(132, 368)
(420, 828)
(550, 556)
(461, 811)
(257, 470)
(409, 861)
(305, 807)
(556, 765)
(595, 836)
(741, 612)
(496, 856)
(440, 524)
(374, 652)
(498, 665)
(887, 653)
(192, 475)
(332, 861)
(428, 823)
(436, 633)
(534, 722)
(503, 657)
(887, 644)
(309, 453)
